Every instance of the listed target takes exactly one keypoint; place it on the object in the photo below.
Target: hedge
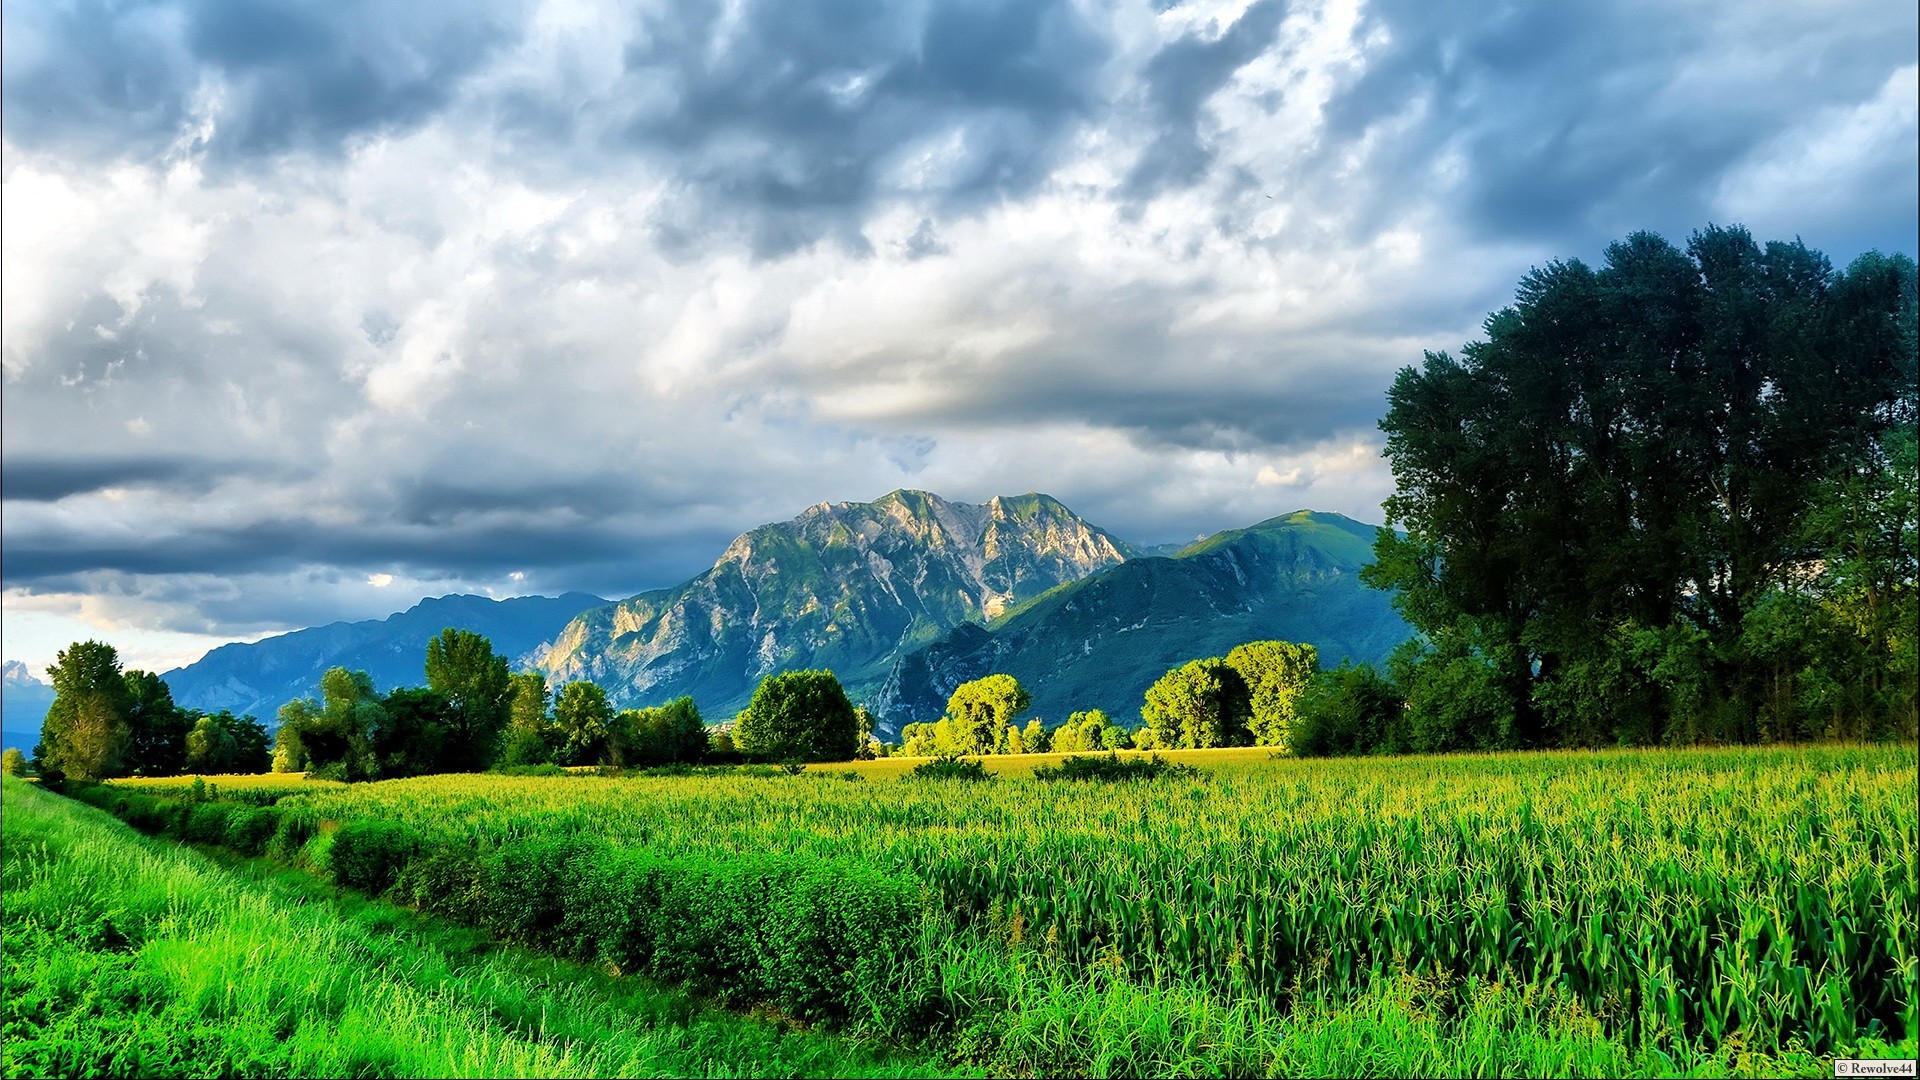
(819, 940)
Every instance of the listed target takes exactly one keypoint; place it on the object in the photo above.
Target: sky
(312, 309)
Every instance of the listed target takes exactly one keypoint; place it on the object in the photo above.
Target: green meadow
(1656, 912)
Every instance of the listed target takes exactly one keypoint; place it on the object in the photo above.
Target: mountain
(1101, 641)
(23, 705)
(259, 677)
(847, 586)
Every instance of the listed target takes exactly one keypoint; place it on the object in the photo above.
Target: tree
(530, 734)
(156, 727)
(1034, 737)
(798, 716)
(1275, 672)
(668, 734)
(210, 748)
(980, 710)
(416, 735)
(1350, 710)
(1200, 704)
(1081, 731)
(86, 734)
(1620, 476)
(463, 668)
(334, 738)
(583, 721)
(13, 762)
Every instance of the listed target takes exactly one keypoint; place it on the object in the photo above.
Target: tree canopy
(799, 716)
(1605, 499)
(463, 668)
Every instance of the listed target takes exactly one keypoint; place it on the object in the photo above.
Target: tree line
(106, 721)
(1246, 698)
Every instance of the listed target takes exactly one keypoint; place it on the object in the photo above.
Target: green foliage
(418, 734)
(210, 748)
(1201, 704)
(798, 716)
(1641, 894)
(334, 739)
(951, 768)
(13, 762)
(1112, 768)
(86, 733)
(1349, 710)
(1089, 729)
(1637, 502)
(663, 735)
(463, 668)
(1453, 701)
(1275, 672)
(979, 711)
(582, 721)
(531, 735)
(131, 957)
(157, 729)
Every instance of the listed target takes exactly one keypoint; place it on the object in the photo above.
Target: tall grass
(1681, 911)
(129, 957)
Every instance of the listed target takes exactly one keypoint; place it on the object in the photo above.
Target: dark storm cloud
(107, 79)
(780, 123)
(1180, 79)
(1576, 122)
(35, 478)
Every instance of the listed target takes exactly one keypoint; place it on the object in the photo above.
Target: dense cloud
(312, 309)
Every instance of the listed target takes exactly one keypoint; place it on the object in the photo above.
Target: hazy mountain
(847, 586)
(24, 698)
(1100, 642)
(259, 677)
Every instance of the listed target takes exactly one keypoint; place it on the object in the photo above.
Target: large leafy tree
(583, 723)
(86, 733)
(463, 668)
(799, 716)
(157, 728)
(1602, 493)
(1275, 672)
(1199, 704)
(979, 712)
(530, 733)
(337, 736)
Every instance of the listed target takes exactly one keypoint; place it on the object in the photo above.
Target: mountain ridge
(1100, 641)
(844, 585)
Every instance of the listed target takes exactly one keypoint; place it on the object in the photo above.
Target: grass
(1700, 912)
(128, 956)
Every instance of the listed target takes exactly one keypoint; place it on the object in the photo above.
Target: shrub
(369, 855)
(950, 768)
(250, 828)
(446, 880)
(1112, 768)
(206, 822)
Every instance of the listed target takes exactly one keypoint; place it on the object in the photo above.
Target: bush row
(822, 942)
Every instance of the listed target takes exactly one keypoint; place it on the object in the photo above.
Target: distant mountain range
(24, 698)
(904, 598)
(1100, 642)
(847, 586)
(257, 678)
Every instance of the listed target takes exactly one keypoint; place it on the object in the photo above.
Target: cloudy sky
(312, 309)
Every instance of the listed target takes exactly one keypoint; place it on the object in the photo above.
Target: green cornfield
(1690, 909)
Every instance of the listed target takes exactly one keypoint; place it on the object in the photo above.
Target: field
(1626, 913)
(127, 956)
